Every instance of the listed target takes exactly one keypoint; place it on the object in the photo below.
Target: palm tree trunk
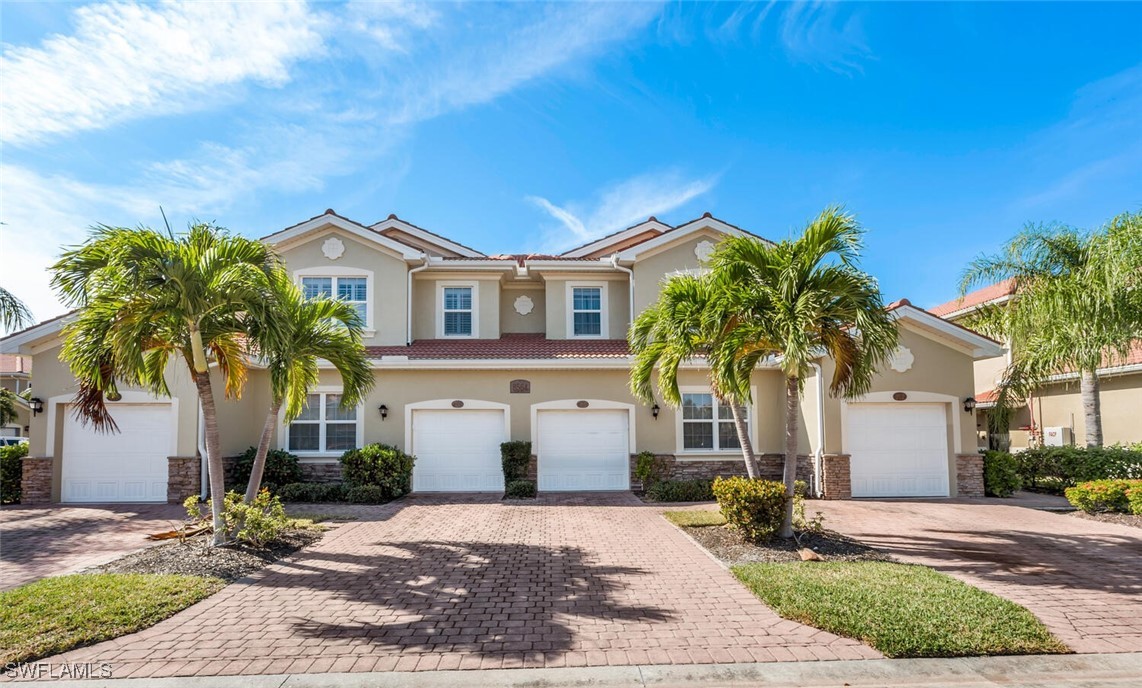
(259, 467)
(214, 465)
(1092, 407)
(751, 468)
(792, 397)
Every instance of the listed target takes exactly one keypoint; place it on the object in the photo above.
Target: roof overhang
(971, 342)
(299, 232)
(681, 232)
(31, 340)
(426, 236)
(651, 225)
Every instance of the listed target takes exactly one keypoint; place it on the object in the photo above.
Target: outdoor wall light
(37, 405)
(969, 404)
(654, 411)
(384, 411)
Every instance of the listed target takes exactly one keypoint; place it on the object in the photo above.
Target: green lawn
(901, 610)
(689, 519)
(53, 615)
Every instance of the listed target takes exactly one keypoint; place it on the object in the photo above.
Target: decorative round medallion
(524, 304)
(333, 248)
(703, 250)
(901, 360)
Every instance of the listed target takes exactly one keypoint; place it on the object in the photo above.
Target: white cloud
(622, 205)
(816, 34)
(128, 61)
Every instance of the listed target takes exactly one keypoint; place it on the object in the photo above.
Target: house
(16, 377)
(1054, 414)
(471, 350)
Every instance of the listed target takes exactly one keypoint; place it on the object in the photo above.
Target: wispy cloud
(825, 34)
(129, 61)
(624, 204)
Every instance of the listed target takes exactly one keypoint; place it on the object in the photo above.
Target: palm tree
(145, 298)
(1077, 303)
(301, 332)
(7, 406)
(13, 313)
(685, 323)
(802, 299)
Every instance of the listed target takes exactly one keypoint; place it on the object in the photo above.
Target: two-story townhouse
(470, 350)
(16, 377)
(1054, 413)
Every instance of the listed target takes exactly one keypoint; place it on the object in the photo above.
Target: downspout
(204, 482)
(408, 301)
(819, 454)
(630, 286)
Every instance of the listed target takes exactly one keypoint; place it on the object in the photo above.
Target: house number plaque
(520, 387)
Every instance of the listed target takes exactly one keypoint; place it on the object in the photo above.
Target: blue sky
(517, 127)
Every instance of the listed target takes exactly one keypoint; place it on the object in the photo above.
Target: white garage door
(127, 466)
(457, 450)
(583, 450)
(898, 450)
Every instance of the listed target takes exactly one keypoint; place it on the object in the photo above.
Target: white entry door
(583, 450)
(457, 450)
(898, 450)
(125, 466)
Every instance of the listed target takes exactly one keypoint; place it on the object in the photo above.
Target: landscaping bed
(901, 610)
(1132, 520)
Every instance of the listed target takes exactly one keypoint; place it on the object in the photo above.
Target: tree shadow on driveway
(469, 597)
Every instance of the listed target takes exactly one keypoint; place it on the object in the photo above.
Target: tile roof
(11, 363)
(976, 298)
(506, 347)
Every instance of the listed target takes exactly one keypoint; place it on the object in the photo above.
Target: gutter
(204, 487)
(630, 284)
(408, 301)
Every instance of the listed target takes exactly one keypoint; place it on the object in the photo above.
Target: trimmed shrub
(1095, 496)
(520, 489)
(282, 468)
(312, 492)
(650, 468)
(1134, 499)
(1053, 469)
(681, 491)
(1000, 474)
(367, 494)
(12, 472)
(515, 458)
(258, 523)
(379, 465)
(755, 508)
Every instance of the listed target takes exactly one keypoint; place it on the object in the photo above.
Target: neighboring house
(1054, 414)
(16, 377)
(471, 350)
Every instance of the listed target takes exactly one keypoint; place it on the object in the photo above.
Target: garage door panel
(583, 450)
(898, 450)
(457, 450)
(125, 466)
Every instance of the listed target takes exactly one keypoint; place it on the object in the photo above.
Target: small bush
(681, 491)
(312, 492)
(257, 523)
(1095, 496)
(1053, 469)
(282, 468)
(1000, 474)
(378, 465)
(520, 489)
(650, 468)
(755, 508)
(515, 458)
(12, 472)
(1134, 499)
(367, 494)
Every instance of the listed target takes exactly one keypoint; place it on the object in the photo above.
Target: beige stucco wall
(1121, 397)
(427, 309)
(617, 308)
(533, 322)
(389, 285)
(649, 271)
(987, 371)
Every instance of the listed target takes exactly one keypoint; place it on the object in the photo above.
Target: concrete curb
(1030, 671)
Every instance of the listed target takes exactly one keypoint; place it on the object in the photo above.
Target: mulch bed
(194, 556)
(1120, 519)
(729, 547)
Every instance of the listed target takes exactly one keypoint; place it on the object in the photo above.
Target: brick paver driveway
(472, 582)
(1082, 578)
(47, 541)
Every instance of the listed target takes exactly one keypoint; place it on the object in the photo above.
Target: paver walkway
(1083, 578)
(38, 541)
(472, 582)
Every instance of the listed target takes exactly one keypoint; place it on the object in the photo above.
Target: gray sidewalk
(1041, 671)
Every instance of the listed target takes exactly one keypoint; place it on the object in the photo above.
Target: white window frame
(751, 421)
(334, 272)
(283, 433)
(603, 311)
(440, 287)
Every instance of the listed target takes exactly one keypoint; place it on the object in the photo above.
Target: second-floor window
(457, 306)
(585, 310)
(352, 290)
